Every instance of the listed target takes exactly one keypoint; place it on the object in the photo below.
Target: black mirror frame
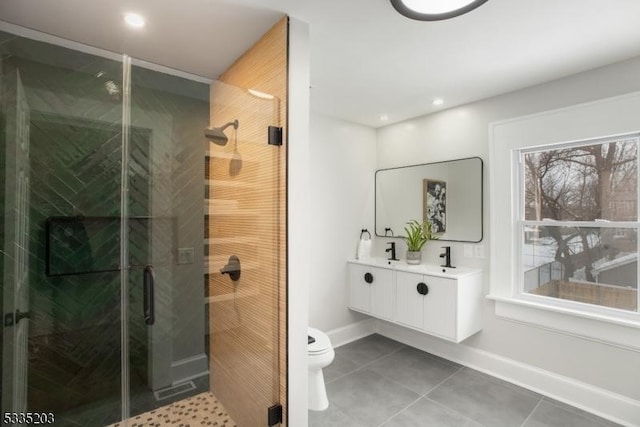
(375, 199)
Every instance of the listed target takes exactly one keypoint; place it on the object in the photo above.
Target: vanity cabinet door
(409, 302)
(359, 289)
(371, 290)
(441, 307)
(382, 294)
(428, 303)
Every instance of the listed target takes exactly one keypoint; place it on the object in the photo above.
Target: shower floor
(200, 410)
(143, 402)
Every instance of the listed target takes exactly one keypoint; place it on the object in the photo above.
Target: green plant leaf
(417, 234)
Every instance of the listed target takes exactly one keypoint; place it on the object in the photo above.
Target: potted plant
(417, 234)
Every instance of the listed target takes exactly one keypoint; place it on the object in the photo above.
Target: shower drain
(174, 390)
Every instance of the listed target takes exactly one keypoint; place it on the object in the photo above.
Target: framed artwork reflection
(434, 204)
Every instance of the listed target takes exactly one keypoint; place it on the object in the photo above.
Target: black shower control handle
(422, 288)
(368, 277)
(232, 268)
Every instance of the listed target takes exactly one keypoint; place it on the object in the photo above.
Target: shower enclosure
(142, 261)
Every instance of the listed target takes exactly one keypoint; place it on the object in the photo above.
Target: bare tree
(583, 183)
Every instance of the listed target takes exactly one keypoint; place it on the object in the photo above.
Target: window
(564, 220)
(578, 224)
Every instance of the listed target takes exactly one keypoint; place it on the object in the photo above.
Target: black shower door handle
(148, 283)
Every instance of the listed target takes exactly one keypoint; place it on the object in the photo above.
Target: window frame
(582, 124)
(519, 169)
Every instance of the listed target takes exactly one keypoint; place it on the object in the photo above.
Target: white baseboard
(352, 332)
(187, 369)
(598, 401)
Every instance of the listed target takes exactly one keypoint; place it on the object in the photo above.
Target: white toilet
(321, 354)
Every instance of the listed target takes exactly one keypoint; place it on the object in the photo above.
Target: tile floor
(376, 381)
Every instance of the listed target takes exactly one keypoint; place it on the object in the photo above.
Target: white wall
(298, 196)
(457, 133)
(343, 163)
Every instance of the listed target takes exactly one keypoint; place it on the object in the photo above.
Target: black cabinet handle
(368, 277)
(148, 284)
(422, 288)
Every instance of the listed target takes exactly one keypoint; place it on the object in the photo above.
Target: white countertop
(424, 268)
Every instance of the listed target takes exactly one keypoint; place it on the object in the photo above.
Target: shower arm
(217, 135)
(234, 123)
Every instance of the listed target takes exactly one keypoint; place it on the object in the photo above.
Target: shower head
(217, 136)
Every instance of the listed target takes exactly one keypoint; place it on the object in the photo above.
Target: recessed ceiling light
(435, 10)
(134, 20)
(384, 117)
(438, 101)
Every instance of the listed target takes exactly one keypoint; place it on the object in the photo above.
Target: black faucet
(447, 257)
(392, 249)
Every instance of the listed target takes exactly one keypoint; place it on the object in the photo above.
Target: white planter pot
(414, 257)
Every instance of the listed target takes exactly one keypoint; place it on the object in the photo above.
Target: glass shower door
(16, 245)
(245, 241)
(166, 357)
(204, 313)
(60, 145)
(92, 207)
(243, 259)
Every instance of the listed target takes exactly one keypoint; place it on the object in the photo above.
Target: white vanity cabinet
(443, 302)
(371, 290)
(446, 307)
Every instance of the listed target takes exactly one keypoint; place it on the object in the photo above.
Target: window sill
(624, 333)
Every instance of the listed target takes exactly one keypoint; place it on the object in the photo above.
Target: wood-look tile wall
(247, 218)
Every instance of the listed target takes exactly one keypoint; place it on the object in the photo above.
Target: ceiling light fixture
(134, 20)
(438, 101)
(259, 94)
(435, 10)
(384, 117)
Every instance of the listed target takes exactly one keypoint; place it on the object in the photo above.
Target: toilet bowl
(321, 354)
